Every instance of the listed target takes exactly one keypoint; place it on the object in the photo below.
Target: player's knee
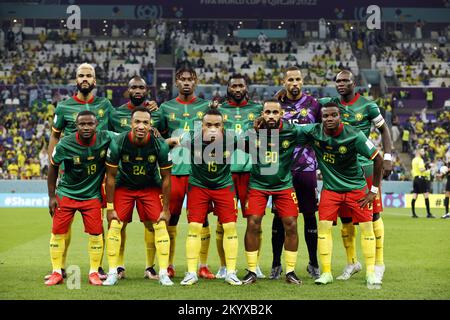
(375, 217)
(229, 227)
(253, 224)
(195, 228)
(345, 220)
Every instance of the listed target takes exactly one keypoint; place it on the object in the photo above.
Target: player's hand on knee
(151, 106)
(112, 215)
(164, 216)
(367, 200)
(52, 204)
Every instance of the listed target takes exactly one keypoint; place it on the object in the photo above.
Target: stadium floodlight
(282, 22)
(62, 20)
(15, 20)
(104, 21)
(106, 26)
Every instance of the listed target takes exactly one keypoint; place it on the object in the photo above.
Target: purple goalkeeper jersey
(303, 111)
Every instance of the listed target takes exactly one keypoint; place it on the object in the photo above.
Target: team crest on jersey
(200, 114)
(125, 158)
(102, 153)
(172, 116)
(304, 112)
(359, 116)
(76, 160)
(101, 113)
(342, 149)
(251, 116)
(123, 122)
(285, 144)
(151, 158)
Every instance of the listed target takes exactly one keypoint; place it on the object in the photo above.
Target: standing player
(271, 176)
(83, 155)
(299, 108)
(336, 146)
(239, 114)
(360, 112)
(66, 113)
(444, 173)
(418, 171)
(136, 155)
(210, 181)
(119, 121)
(174, 118)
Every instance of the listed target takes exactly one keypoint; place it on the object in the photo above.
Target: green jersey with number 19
(84, 165)
(176, 118)
(337, 155)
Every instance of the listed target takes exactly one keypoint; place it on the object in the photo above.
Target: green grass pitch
(417, 259)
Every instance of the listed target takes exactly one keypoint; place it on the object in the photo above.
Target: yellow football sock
(113, 243)
(252, 260)
(193, 244)
(205, 238)
(348, 232)
(162, 243)
(150, 248)
(325, 244)
(368, 245)
(172, 230)
(230, 245)
(219, 243)
(57, 244)
(290, 258)
(121, 257)
(378, 230)
(67, 238)
(95, 249)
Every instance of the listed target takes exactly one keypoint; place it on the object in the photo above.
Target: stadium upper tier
(417, 63)
(264, 61)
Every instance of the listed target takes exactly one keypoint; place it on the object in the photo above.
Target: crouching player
(344, 187)
(83, 156)
(210, 181)
(135, 161)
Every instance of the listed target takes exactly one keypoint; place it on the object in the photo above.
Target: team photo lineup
(197, 134)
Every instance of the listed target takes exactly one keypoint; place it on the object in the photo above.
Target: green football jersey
(337, 156)
(84, 166)
(272, 157)
(240, 118)
(120, 118)
(138, 165)
(66, 113)
(359, 113)
(211, 162)
(173, 119)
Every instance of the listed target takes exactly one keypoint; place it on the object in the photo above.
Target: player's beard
(238, 100)
(137, 101)
(295, 92)
(85, 90)
(269, 125)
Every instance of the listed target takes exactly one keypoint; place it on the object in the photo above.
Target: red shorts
(224, 200)
(240, 180)
(285, 201)
(332, 202)
(148, 202)
(91, 211)
(179, 188)
(377, 203)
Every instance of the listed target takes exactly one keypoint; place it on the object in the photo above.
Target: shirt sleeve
(113, 154)
(57, 155)
(374, 115)
(164, 158)
(159, 120)
(365, 147)
(110, 120)
(58, 120)
(303, 135)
